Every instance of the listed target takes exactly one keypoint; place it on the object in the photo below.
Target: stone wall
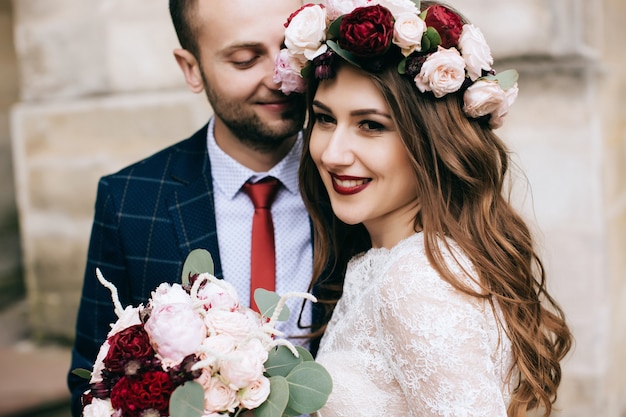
(99, 88)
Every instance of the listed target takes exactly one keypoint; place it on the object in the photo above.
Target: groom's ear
(190, 68)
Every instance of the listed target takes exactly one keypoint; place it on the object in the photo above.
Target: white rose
(98, 408)
(220, 295)
(399, 7)
(255, 394)
(475, 51)
(407, 33)
(307, 32)
(442, 73)
(219, 396)
(336, 8)
(216, 346)
(175, 330)
(129, 317)
(486, 97)
(240, 368)
(169, 294)
(235, 323)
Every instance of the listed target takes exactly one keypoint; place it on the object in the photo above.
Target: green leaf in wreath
(267, 302)
(281, 361)
(309, 387)
(506, 79)
(83, 373)
(198, 261)
(187, 400)
(343, 53)
(277, 401)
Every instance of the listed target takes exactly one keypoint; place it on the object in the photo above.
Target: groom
(151, 214)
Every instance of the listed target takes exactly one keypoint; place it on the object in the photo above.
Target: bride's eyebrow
(359, 112)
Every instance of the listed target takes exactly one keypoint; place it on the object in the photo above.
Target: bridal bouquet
(193, 350)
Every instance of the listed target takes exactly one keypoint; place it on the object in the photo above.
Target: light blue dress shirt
(292, 232)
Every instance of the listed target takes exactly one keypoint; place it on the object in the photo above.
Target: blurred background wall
(88, 86)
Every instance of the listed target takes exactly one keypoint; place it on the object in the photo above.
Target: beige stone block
(139, 54)
(61, 58)
(54, 270)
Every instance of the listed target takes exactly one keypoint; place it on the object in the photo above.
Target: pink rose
(234, 323)
(220, 295)
(366, 31)
(255, 394)
(215, 347)
(287, 75)
(407, 33)
(475, 51)
(243, 366)
(486, 97)
(442, 73)
(219, 396)
(176, 330)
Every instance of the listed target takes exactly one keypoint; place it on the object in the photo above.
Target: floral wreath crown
(438, 51)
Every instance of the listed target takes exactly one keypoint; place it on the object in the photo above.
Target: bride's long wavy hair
(461, 176)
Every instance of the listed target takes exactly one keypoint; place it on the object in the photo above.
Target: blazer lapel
(191, 206)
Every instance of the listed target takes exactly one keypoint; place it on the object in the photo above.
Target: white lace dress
(403, 342)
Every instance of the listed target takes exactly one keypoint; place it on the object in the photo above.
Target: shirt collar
(229, 175)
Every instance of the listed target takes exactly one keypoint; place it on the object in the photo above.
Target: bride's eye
(372, 126)
(323, 118)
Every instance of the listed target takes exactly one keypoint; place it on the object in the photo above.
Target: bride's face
(361, 157)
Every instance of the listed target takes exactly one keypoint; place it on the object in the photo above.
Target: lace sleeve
(442, 344)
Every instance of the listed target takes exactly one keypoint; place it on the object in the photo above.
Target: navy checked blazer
(148, 217)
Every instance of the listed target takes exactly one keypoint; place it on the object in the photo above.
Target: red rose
(447, 23)
(366, 31)
(150, 391)
(130, 344)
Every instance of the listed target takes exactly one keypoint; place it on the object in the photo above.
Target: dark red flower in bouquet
(366, 31)
(135, 395)
(447, 23)
(128, 346)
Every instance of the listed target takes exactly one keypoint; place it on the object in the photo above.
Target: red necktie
(263, 257)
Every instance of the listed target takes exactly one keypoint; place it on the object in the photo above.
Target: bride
(444, 309)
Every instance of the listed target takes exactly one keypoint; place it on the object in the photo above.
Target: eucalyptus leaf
(309, 387)
(304, 354)
(267, 302)
(333, 30)
(187, 400)
(281, 361)
(343, 53)
(275, 404)
(83, 373)
(198, 261)
(507, 79)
